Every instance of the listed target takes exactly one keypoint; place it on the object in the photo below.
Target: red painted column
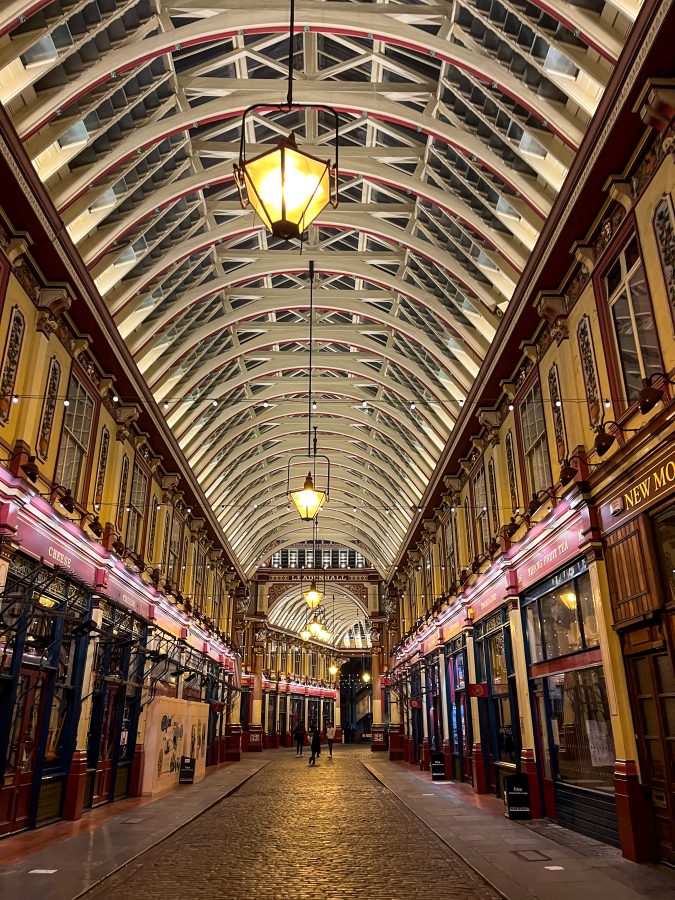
(396, 743)
(478, 762)
(636, 831)
(136, 776)
(528, 766)
(76, 784)
(233, 743)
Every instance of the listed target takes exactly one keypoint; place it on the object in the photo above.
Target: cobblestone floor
(328, 833)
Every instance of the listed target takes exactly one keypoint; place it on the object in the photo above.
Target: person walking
(316, 747)
(330, 737)
(299, 735)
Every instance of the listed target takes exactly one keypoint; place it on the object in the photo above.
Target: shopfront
(459, 714)
(498, 710)
(639, 524)
(570, 708)
(45, 626)
(416, 706)
(117, 673)
(434, 705)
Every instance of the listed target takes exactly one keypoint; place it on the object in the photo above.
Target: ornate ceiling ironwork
(458, 122)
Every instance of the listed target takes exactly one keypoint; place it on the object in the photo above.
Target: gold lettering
(645, 488)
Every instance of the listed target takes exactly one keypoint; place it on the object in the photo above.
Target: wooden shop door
(109, 739)
(22, 751)
(653, 695)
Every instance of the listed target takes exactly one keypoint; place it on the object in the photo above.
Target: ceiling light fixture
(287, 187)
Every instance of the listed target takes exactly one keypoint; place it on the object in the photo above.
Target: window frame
(531, 490)
(623, 408)
(84, 466)
(134, 513)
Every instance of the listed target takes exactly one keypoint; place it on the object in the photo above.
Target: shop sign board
(486, 599)
(517, 797)
(551, 556)
(127, 596)
(55, 553)
(652, 484)
(186, 774)
(437, 766)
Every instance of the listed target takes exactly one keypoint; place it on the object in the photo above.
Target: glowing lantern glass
(313, 596)
(332, 669)
(287, 187)
(308, 501)
(305, 634)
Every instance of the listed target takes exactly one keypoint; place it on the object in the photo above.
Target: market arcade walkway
(350, 827)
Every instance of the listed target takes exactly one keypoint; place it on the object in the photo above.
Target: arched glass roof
(458, 122)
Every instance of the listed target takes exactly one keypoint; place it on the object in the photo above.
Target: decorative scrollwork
(589, 370)
(664, 227)
(17, 328)
(558, 420)
(49, 408)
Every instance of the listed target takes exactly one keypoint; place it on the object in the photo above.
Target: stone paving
(328, 833)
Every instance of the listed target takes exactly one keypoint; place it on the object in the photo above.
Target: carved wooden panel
(632, 570)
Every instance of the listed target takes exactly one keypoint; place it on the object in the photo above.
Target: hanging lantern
(287, 187)
(333, 669)
(308, 501)
(305, 633)
(315, 627)
(313, 596)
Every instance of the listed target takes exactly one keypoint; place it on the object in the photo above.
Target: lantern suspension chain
(289, 96)
(311, 336)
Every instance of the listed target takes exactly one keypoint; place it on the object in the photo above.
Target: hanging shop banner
(480, 689)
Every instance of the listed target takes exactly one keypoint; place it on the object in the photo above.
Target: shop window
(480, 505)
(581, 729)
(533, 428)
(75, 437)
(632, 319)
(139, 490)
(562, 621)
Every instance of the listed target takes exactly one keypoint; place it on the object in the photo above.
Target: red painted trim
(566, 663)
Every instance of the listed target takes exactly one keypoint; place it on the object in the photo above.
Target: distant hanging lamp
(309, 501)
(287, 187)
(313, 596)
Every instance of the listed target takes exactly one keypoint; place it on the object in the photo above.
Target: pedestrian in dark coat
(316, 747)
(299, 735)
